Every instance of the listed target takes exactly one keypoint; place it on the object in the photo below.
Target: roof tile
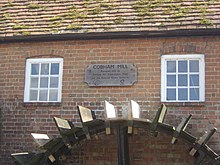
(36, 17)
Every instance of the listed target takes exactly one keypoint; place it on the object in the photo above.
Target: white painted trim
(28, 73)
(199, 57)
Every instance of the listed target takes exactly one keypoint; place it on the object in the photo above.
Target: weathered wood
(159, 118)
(202, 141)
(200, 158)
(85, 114)
(123, 145)
(190, 139)
(107, 127)
(53, 149)
(41, 139)
(133, 113)
(25, 158)
(215, 161)
(110, 113)
(181, 127)
(89, 122)
(68, 131)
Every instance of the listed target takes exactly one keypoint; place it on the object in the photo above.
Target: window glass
(43, 95)
(44, 69)
(55, 68)
(53, 95)
(171, 66)
(183, 78)
(194, 94)
(194, 80)
(194, 65)
(54, 82)
(33, 95)
(182, 66)
(171, 94)
(34, 82)
(182, 94)
(43, 80)
(171, 80)
(34, 69)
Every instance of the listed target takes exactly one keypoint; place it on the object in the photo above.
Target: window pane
(34, 69)
(182, 66)
(194, 65)
(53, 95)
(194, 80)
(34, 82)
(171, 94)
(43, 95)
(44, 69)
(194, 94)
(55, 68)
(42, 76)
(171, 80)
(182, 80)
(33, 95)
(44, 82)
(54, 82)
(182, 94)
(171, 66)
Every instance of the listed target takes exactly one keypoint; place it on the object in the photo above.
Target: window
(182, 78)
(43, 81)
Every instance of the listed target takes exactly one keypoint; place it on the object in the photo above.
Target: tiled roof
(41, 17)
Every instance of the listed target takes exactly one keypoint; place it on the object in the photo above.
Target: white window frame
(28, 76)
(201, 58)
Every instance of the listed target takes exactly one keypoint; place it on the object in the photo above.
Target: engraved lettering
(122, 66)
(103, 67)
(111, 75)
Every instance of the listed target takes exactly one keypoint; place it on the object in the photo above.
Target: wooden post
(202, 141)
(181, 127)
(159, 118)
(123, 145)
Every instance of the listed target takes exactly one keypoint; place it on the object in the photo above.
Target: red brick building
(174, 45)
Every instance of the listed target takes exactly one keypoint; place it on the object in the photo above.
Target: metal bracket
(130, 126)
(107, 127)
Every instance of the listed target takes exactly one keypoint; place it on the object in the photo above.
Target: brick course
(19, 119)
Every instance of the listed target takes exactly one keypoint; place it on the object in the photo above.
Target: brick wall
(19, 119)
(143, 150)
